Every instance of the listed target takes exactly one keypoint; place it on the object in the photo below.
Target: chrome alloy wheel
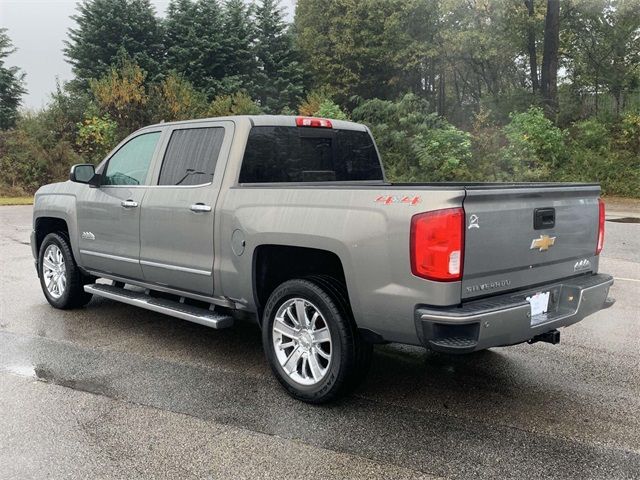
(54, 271)
(302, 341)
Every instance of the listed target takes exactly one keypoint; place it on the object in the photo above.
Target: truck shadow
(491, 381)
(399, 374)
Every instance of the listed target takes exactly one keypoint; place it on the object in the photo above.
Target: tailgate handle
(544, 218)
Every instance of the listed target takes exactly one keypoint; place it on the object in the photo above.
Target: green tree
(603, 47)
(368, 48)
(239, 33)
(484, 47)
(58, 121)
(456, 54)
(107, 28)
(279, 74)
(195, 43)
(550, 57)
(532, 47)
(11, 84)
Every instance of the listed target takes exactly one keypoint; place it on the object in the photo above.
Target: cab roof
(265, 121)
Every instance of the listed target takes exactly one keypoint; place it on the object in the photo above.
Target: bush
(535, 146)
(176, 99)
(591, 134)
(629, 138)
(394, 126)
(22, 162)
(122, 95)
(311, 104)
(487, 142)
(605, 154)
(443, 153)
(237, 104)
(25, 165)
(96, 137)
(43, 145)
(329, 109)
(416, 145)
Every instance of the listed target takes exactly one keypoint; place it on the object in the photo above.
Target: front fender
(58, 201)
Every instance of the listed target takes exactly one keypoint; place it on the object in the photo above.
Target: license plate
(539, 303)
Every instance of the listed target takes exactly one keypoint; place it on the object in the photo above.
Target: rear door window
(191, 156)
(294, 154)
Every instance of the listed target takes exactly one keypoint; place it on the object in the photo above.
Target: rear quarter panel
(370, 237)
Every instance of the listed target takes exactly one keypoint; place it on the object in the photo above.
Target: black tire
(73, 295)
(364, 349)
(348, 351)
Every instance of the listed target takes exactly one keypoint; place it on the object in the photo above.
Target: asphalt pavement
(112, 391)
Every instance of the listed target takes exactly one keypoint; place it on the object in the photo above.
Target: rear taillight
(313, 122)
(437, 244)
(600, 227)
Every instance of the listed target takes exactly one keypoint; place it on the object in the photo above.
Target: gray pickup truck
(290, 220)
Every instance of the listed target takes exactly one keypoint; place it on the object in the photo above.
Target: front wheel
(61, 280)
(311, 341)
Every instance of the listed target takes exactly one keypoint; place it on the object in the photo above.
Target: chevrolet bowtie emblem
(543, 243)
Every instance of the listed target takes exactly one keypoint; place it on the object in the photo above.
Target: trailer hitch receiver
(552, 337)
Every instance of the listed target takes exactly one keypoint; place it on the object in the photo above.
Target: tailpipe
(552, 337)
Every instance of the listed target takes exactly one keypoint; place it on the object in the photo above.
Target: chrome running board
(180, 310)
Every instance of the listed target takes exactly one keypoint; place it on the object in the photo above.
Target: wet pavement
(113, 391)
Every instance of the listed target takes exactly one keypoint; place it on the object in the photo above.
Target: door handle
(200, 207)
(129, 204)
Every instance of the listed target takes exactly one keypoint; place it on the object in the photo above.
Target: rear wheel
(311, 341)
(61, 280)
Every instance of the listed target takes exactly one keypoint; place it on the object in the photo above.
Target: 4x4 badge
(580, 265)
(543, 243)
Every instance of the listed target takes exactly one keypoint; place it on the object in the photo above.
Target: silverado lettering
(489, 286)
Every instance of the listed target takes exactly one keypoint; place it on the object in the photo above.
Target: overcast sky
(37, 29)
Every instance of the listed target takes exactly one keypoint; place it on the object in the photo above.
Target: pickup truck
(291, 221)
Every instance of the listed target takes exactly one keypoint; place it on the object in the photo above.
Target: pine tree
(107, 29)
(279, 77)
(371, 49)
(195, 43)
(11, 84)
(239, 32)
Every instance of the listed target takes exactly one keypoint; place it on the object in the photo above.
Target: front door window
(130, 164)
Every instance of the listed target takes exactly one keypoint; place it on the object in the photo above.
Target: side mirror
(82, 173)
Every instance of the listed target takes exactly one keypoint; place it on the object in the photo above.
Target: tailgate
(520, 236)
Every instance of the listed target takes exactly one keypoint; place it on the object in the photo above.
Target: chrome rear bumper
(506, 319)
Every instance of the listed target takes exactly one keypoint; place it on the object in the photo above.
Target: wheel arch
(274, 264)
(52, 221)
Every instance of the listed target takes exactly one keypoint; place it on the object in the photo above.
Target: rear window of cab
(293, 154)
